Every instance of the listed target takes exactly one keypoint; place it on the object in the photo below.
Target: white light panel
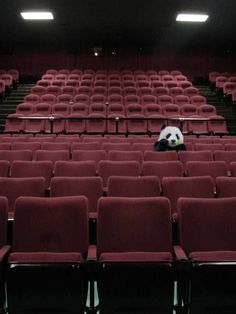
(200, 18)
(37, 15)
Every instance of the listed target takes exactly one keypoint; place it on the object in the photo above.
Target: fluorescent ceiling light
(37, 15)
(192, 17)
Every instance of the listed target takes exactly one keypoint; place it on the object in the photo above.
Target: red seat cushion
(136, 257)
(45, 257)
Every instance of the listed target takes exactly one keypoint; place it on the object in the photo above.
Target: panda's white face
(173, 135)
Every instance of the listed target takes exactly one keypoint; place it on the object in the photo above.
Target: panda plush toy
(170, 138)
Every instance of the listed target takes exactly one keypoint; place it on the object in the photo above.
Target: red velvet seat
(45, 269)
(134, 250)
(207, 243)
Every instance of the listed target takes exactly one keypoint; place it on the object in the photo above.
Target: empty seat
(185, 156)
(115, 146)
(14, 123)
(175, 188)
(96, 123)
(12, 188)
(169, 110)
(5, 249)
(55, 90)
(85, 155)
(189, 110)
(50, 260)
(65, 98)
(114, 99)
(129, 90)
(91, 187)
(131, 99)
(134, 109)
(160, 169)
(148, 99)
(152, 109)
(98, 108)
(191, 91)
(164, 100)
(209, 146)
(63, 109)
(43, 108)
(210, 253)
(197, 125)
(91, 145)
(217, 125)
(175, 91)
(86, 168)
(35, 123)
(38, 90)
(158, 91)
(206, 110)
(226, 156)
(32, 98)
(52, 155)
(129, 251)
(25, 169)
(119, 155)
(25, 108)
(4, 168)
(32, 146)
(119, 186)
(12, 155)
(181, 100)
(75, 123)
(48, 98)
(198, 100)
(206, 168)
(107, 168)
(160, 156)
(225, 187)
(136, 123)
(55, 145)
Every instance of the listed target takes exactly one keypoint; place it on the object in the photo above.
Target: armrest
(180, 254)
(4, 252)
(92, 253)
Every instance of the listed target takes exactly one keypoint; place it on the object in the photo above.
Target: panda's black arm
(181, 147)
(161, 145)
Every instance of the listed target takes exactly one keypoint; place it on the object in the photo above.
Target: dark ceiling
(118, 23)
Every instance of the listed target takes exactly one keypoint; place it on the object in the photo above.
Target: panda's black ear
(163, 127)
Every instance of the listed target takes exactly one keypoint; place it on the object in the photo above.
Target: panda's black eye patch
(168, 135)
(177, 136)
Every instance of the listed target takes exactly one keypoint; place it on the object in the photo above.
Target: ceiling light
(192, 17)
(37, 15)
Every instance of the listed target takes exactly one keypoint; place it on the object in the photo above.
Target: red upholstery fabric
(45, 257)
(207, 224)
(133, 225)
(136, 257)
(213, 256)
(57, 224)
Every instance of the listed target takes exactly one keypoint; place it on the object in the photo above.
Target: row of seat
(113, 72)
(148, 109)
(19, 137)
(134, 262)
(117, 98)
(111, 77)
(84, 175)
(180, 89)
(114, 99)
(37, 143)
(107, 184)
(138, 82)
(98, 123)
